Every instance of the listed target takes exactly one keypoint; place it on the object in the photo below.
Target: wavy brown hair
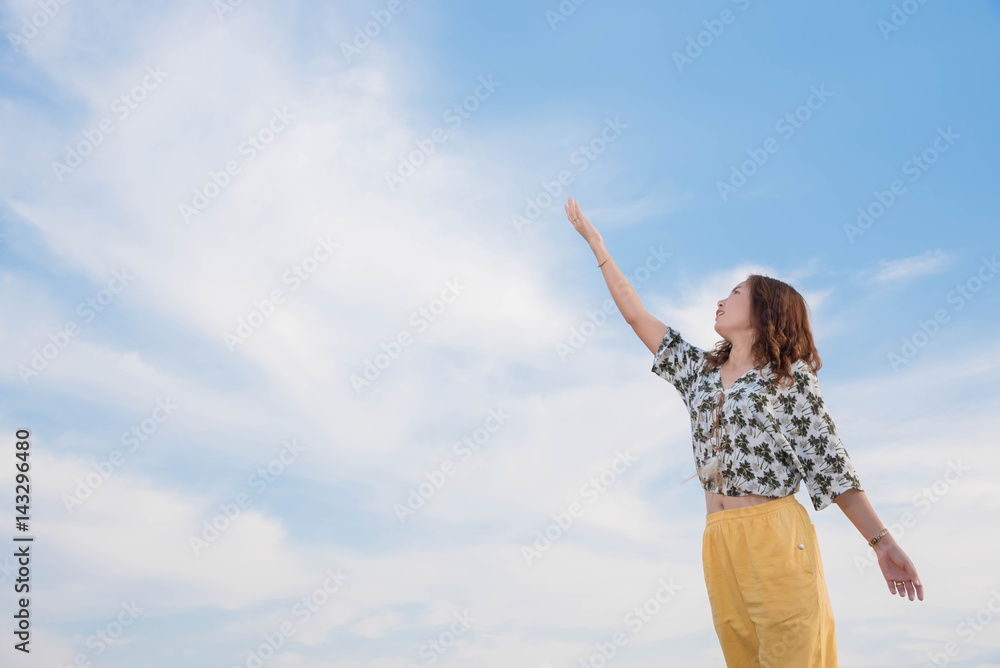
(779, 317)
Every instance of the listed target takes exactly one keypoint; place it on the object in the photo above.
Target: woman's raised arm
(648, 328)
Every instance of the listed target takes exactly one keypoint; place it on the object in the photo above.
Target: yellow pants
(766, 586)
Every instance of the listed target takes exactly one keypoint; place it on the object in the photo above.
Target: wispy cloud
(931, 262)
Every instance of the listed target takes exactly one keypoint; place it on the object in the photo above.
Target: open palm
(580, 222)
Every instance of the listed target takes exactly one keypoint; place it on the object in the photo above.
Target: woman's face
(732, 316)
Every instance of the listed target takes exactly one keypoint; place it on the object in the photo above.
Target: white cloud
(494, 345)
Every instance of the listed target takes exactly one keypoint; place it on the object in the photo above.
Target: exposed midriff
(716, 502)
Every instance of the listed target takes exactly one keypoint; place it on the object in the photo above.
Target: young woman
(760, 427)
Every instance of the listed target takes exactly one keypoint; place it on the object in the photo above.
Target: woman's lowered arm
(895, 565)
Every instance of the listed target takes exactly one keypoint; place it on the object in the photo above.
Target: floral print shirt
(768, 437)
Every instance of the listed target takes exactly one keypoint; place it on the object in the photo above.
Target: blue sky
(251, 277)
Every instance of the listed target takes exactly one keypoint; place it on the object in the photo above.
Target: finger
(914, 581)
(892, 586)
(910, 591)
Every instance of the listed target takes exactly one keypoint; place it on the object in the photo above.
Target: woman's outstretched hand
(897, 567)
(580, 222)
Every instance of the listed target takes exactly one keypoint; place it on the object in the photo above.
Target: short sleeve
(807, 424)
(678, 362)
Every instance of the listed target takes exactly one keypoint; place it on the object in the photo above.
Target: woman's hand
(897, 567)
(580, 222)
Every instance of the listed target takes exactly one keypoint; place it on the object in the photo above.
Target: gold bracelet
(877, 538)
(603, 261)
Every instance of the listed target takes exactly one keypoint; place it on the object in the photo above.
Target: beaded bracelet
(877, 538)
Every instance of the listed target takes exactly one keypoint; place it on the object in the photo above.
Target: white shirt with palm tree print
(768, 437)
